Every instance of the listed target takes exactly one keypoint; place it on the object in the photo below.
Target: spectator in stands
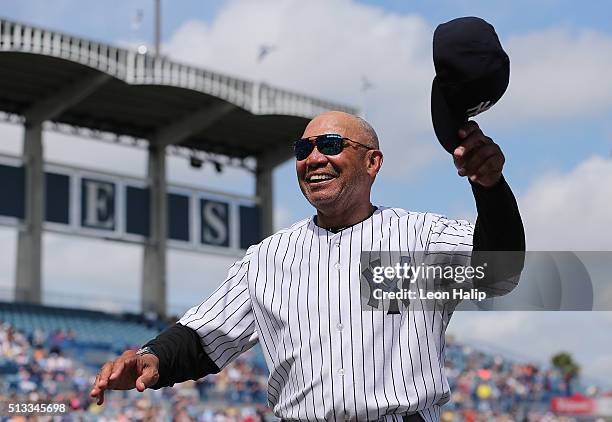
(485, 387)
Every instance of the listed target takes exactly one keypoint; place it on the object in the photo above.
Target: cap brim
(446, 124)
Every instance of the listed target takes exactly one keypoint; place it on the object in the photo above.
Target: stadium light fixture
(195, 162)
(218, 166)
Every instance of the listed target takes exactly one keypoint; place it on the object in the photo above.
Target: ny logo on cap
(483, 106)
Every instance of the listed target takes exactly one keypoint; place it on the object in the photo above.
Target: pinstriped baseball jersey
(298, 294)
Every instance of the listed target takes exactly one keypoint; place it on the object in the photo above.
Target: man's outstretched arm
(181, 356)
(177, 356)
(207, 338)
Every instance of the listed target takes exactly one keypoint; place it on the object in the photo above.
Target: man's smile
(319, 178)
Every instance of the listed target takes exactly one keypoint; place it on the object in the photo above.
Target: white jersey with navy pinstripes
(297, 293)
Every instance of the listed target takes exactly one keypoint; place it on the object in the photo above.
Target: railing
(143, 69)
(100, 302)
(26, 39)
(276, 101)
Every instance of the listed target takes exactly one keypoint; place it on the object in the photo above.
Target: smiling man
(338, 184)
(298, 291)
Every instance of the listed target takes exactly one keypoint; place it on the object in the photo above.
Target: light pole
(157, 25)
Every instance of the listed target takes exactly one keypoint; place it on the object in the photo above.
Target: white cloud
(556, 74)
(324, 48)
(570, 211)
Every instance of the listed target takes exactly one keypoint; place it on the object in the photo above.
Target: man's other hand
(126, 372)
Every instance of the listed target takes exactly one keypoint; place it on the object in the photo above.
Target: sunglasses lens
(326, 144)
(302, 149)
(330, 145)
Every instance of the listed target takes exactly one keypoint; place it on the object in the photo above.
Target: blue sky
(509, 17)
(553, 124)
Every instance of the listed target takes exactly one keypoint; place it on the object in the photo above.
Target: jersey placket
(335, 327)
(342, 348)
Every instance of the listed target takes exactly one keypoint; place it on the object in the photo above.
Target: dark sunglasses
(327, 144)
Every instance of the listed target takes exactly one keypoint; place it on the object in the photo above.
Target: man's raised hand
(478, 157)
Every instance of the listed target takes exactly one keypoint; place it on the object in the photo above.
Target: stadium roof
(105, 88)
(47, 76)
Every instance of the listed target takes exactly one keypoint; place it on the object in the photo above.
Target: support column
(29, 242)
(153, 286)
(264, 190)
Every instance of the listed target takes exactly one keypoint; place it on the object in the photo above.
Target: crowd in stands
(39, 367)
(486, 387)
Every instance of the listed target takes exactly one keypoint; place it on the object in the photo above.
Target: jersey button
(337, 266)
(337, 244)
(341, 372)
(340, 327)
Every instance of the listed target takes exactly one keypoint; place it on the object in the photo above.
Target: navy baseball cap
(472, 73)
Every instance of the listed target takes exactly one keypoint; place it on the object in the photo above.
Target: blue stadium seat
(88, 326)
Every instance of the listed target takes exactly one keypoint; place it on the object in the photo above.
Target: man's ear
(375, 160)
